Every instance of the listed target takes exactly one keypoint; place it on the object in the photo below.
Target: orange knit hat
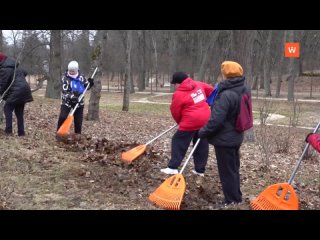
(231, 69)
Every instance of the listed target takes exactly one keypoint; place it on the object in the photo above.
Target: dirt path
(271, 117)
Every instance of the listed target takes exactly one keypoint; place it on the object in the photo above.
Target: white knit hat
(73, 65)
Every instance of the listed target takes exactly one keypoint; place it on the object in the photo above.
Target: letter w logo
(292, 50)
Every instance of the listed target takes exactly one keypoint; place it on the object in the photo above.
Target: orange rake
(135, 152)
(64, 130)
(170, 193)
(280, 196)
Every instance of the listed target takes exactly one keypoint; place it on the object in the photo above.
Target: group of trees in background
(134, 57)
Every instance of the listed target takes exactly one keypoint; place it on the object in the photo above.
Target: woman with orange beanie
(220, 131)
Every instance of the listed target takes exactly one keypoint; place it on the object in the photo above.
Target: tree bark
(98, 54)
(85, 50)
(278, 87)
(93, 108)
(279, 66)
(154, 44)
(142, 50)
(267, 65)
(173, 41)
(53, 89)
(131, 76)
(293, 67)
(126, 95)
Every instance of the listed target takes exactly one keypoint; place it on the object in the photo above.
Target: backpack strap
(244, 89)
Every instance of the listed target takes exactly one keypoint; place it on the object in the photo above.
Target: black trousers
(78, 117)
(228, 159)
(179, 146)
(18, 110)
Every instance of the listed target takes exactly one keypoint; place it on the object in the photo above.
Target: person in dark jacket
(191, 111)
(73, 85)
(220, 130)
(16, 92)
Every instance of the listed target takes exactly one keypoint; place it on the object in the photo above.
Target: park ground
(38, 172)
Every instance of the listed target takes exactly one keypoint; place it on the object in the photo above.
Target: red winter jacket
(189, 107)
(314, 140)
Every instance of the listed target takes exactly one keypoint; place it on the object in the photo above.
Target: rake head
(64, 130)
(133, 153)
(170, 193)
(280, 196)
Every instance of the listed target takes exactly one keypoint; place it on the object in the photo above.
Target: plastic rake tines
(170, 193)
(279, 196)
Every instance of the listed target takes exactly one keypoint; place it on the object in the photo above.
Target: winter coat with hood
(220, 129)
(19, 92)
(68, 97)
(189, 107)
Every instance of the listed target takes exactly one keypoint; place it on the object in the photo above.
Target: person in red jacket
(191, 112)
(314, 140)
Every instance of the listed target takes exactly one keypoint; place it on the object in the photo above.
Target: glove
(309, 134)
(90, 80)
(74, 99)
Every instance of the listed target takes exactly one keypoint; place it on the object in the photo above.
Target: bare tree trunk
(255, 82)
(311, 86)
(278, 87)
(148, 78)
(280, 66)
(108, 81)
(126, 95)
(202, 70)
(93, 107)
(142, 48)
(261, 76)
(267, 65)
(99, 53)
(207, 47)
(257, 49)
(131, 77)
(85, 52)
(194, 52)
(249, 59)
(293, 67)
(151, 83)
(55, 73)
(112, 76)
(154, 43)
(173, 41)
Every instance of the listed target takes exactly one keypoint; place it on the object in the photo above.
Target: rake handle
(192, 151)
(82, 95)
(301, 157)
(161, 134)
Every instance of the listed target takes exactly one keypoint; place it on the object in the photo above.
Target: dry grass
(36, 172)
